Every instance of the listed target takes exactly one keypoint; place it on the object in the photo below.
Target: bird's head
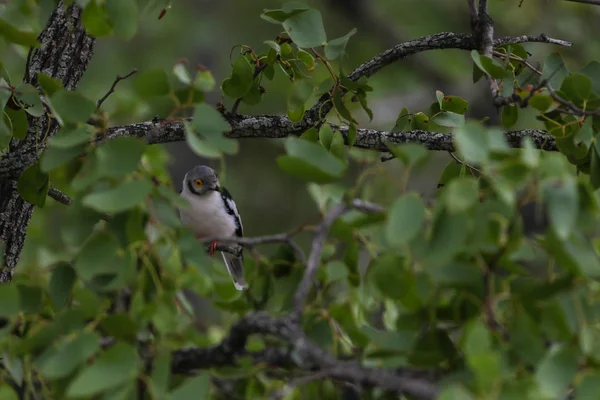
(200, 180)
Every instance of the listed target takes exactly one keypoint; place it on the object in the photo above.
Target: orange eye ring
(198, 183)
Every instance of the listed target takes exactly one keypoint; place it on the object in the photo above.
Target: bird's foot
(213, 247)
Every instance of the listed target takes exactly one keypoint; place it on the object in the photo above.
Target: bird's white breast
(207, 216)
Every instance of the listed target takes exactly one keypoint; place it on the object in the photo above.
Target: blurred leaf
(9, 298)
(240, 81)
(588, 388)
(510, 115)
(61, 283)
(7, 392)
(554, 70)
(192, 388)
(13, 35)
(120, 326)
(153, 82)
(540, 102)
(69, 137)
(120, 198)
(335, 48)
(124, 17)
(72, 106)
(403, 120)
(30, 298)
(60, 361)
(326, 136)
(306, 58)
(306, 28)
(160, 373)
(352, 134)
(577, 87)
(49, 84)
(204, 81)
(181, 73)
(310, 161)
(29, 98)
(119, 157)
(562, 198)
(410, 154)
(33, 185)
(301, 91)
(405, 219)
(16, 121)
(461, 194)
(448, 118)
(288, 10)
(592, 70)
(95, 19)
(339, 105)
(556, 370)
(113, 367)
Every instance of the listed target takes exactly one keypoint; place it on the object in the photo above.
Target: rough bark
(65, 52)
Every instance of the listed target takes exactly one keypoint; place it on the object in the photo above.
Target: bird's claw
(212, 248)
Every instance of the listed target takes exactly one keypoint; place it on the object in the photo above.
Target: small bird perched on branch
(212, 213)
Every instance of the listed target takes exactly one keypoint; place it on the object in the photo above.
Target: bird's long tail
(235, 266)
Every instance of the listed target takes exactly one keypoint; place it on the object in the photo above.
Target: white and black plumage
(212, 213)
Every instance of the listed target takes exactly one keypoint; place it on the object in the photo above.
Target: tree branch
(302, 353)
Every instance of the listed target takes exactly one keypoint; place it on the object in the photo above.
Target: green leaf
(453, 104)
(12, 34)
(153, 82)
(204, 81)
(33, 185)
(540, 102)
(472, 141)
(7, 392)
(311, 134)
(301, 91)
(120, 326)
(241, 79)
(448, 119)
(420, 121)
(69, 137)
(54, 157)
(556, 371)
(115, 366)
(589, 387)
(352, 134)
(461, 194)
(61, 283)
(326, 136)
(192, 388)
(306, 58)
(201, 147)
(577, 87)
(119, 157)
(207, 120)
(288, 10)
(510, 115)
(29, 98)
(9, 298)
(124, 17)
(182, 74)
(95, 20)
(592, 70)
(60, 361)
(410, 154)
(310, 161)
(489, 66)
(123, 197)
(405, 219)
(98, 256)
(16, 121)
(72, 106)
(562, 198)
(339, 105)
(48, 84)
(554, 70)
(160, 373)
(306, 29)
(402, 121)
(335, 48)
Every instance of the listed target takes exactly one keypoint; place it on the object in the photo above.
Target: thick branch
(302, 354)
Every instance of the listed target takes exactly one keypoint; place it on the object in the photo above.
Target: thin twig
(464, 163)
(518, 59)
(59, 196)
(118, 79)
(315, 255)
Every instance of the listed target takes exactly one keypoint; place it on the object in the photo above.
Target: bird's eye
(198, 183)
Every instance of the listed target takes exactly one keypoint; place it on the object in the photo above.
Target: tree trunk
(64, 53)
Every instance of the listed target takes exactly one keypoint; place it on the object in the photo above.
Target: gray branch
(296, 351)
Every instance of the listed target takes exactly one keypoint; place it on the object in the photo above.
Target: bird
(213, 213)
